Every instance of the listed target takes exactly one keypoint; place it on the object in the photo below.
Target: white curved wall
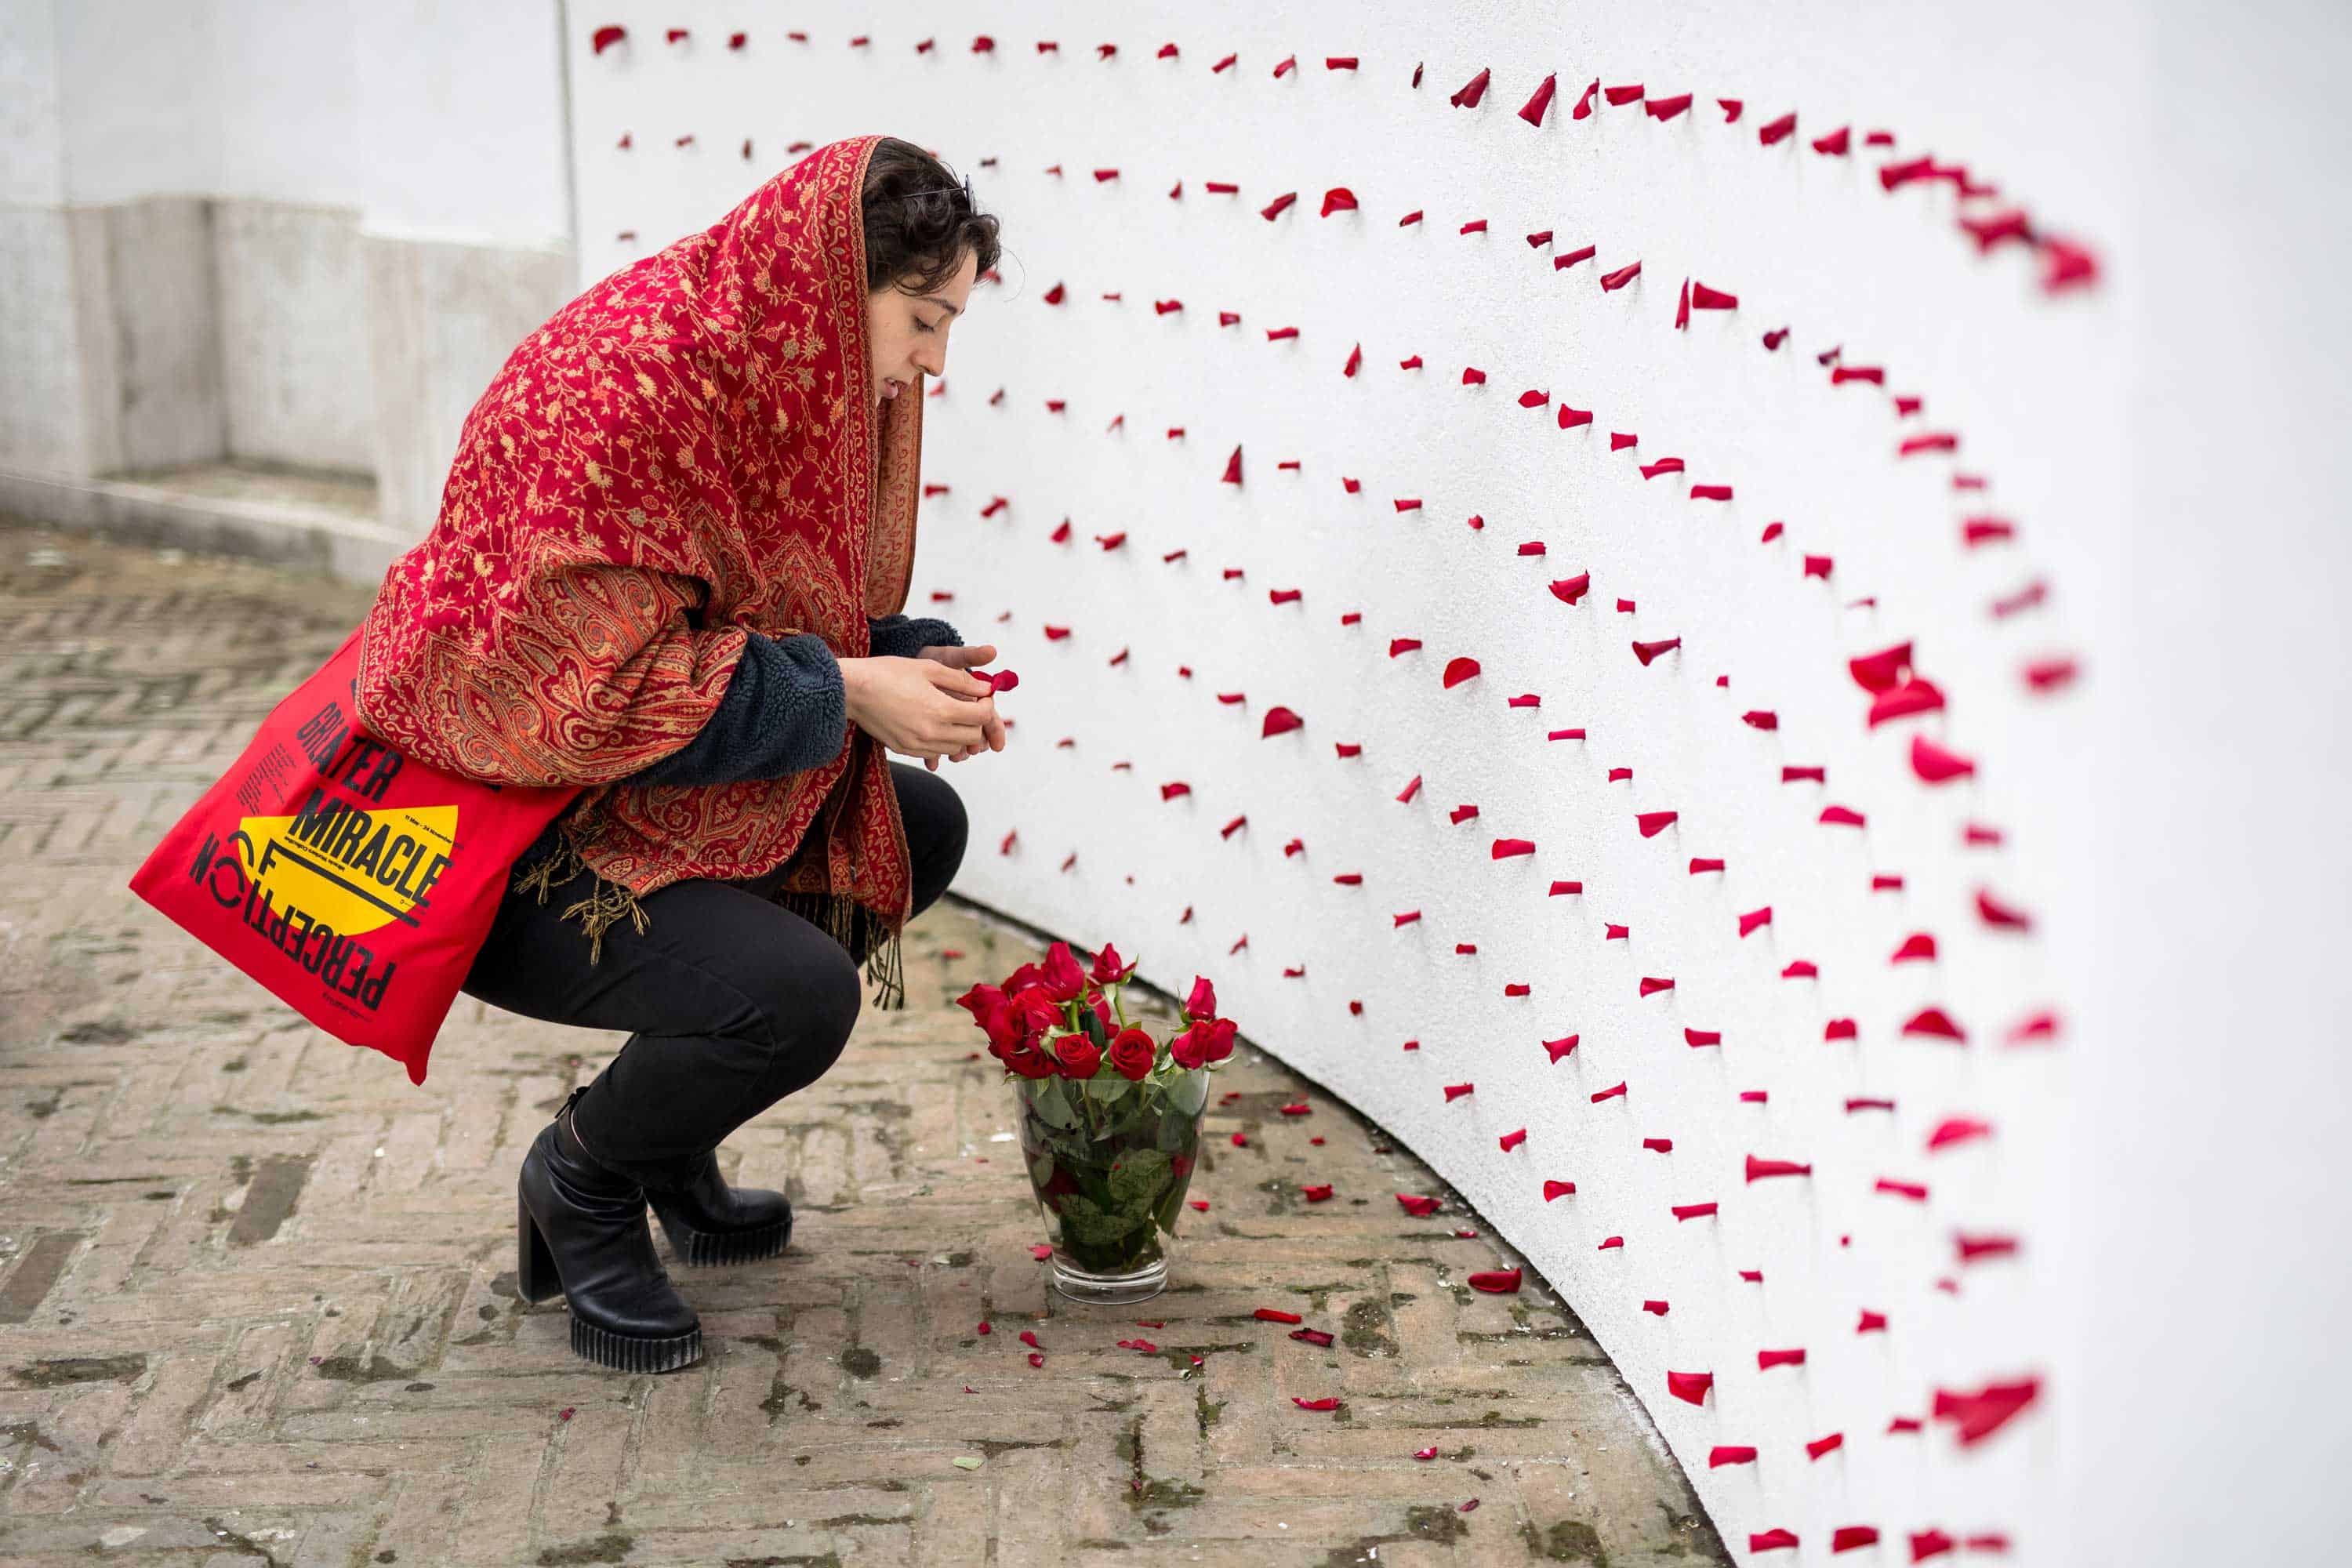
(2051, 105)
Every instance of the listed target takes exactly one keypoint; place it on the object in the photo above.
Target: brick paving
(256, 1299)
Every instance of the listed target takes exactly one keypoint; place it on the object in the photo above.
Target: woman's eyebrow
(935, 300)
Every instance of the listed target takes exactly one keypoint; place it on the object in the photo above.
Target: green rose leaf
(1138, 1178)
(1052, 1105)
(1093, 1225)
(1189, 1091)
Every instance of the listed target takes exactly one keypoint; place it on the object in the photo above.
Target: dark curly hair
(920, 221)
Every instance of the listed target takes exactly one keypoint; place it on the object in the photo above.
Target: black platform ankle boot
(581, 1233)
(707, 1221)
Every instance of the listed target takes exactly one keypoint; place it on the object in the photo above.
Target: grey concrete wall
(442, 319)
(41, 422)
(148, 332)
(293, 334)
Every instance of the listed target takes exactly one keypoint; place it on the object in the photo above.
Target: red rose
(1078, 1055)
(1106, 970)
(1221, 1038)
(981, 1001)
(1035, 1013)
(1023, 1057)
(1022, 978)
(1133, 1053)
(1064, 980)
(1189, 1048)
(1203, 1002)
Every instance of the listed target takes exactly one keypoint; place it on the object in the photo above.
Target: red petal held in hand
(1612, 281)
(1471, 92)
(1506, 848)
(1496, 1281)
(1458, 670)
(1760, 1170)
(1280, 721)
(1558, 1190)
(1690, 1386)
(1618, 1092)
(1647, 651)
(1532, 111)
(1911, 697)
(1652, 823)
(1694, 1210)
(1722, 1453)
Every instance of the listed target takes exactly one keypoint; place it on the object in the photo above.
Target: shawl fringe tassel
(868, 937)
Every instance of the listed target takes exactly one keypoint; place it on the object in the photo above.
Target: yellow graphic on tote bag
(349, 870)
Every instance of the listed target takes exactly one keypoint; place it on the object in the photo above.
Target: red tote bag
(355, 883)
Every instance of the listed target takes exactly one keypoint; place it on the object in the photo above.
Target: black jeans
(732, 1002)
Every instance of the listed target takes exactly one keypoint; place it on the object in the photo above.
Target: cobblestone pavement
(256, 1299)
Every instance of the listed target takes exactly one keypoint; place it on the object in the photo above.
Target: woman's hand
(992, 729)
(919, 707)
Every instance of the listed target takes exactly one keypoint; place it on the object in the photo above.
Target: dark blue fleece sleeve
(783, 712)
(905, 637)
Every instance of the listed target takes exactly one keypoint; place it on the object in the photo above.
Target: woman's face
(906, 334)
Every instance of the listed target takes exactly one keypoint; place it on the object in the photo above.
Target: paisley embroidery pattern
(690, 451)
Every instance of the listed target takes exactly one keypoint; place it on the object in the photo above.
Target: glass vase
(1109, 1159)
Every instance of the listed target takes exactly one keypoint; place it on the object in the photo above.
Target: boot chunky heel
(709, 1222)
(580, 1232)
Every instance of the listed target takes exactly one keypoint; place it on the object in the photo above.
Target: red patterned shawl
(690, 450)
